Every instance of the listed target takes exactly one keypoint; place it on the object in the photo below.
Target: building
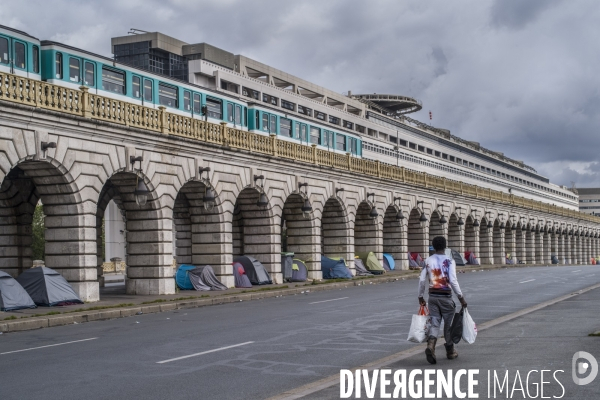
(589, 200)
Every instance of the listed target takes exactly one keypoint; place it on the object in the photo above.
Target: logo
(580, 367)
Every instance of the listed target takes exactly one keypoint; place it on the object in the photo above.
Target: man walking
(440, 271)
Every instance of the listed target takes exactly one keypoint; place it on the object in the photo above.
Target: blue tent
(388, 262)
(182, 278)
(333, 269)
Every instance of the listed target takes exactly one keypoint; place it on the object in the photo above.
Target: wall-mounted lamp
(399, 215)
(423, 218)
(338, 190)
(373, 214)
(262, 198)
(489, 225)
(141, 190)
(513, 226)
(443, 220)
(306, 207)
(47, 145)
(209, 194)
(475, 220)
(460, 221)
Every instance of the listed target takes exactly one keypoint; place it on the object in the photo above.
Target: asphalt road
(280, 343)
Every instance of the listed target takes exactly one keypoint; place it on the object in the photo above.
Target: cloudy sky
(519, 76)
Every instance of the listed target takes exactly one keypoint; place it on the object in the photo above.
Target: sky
(519, 76)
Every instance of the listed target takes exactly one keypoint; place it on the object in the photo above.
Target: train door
(196, 104)
(136, 87)
(148, 92)
(5, 54)
(13, 56)
(187, 101)
(89, 75)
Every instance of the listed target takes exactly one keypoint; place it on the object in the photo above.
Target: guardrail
(82, 103)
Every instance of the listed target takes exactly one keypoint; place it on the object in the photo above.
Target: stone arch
(416, 236)
(499, 242)
(367, 233)
(471, 236)
(455, 234)
(485, 242)
(69, 230)
(255, 232)
(302, 235)
(394, 237)
(336, 236)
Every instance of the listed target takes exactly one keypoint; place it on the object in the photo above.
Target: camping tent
(240, 277)
(204, 278)
(299, 271)
(12, 294)
(554, 259)
(182, 278)
(456, 256)
(388, 262)
(471, 259)
(371, 262)
(287, 260)
(510, 260)
(47, 287)
(415, 261)
(361, 270)
(255, 271)
(334, 268)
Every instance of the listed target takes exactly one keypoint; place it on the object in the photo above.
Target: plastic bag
(420, 326)
(456, 329)
(469, 328)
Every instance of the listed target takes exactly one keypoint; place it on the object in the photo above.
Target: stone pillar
(394, 239)
(510, 243)
(540, 254)
(530, 246)
(560, 253)
(211, 243)
(499, 246)
(554, 246)
(485, 245)
(520, 245)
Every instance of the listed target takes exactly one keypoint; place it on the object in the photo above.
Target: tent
(388, 262)
(334, 268)
(240, 277)
(554, 259)
(456, 256)
(299, 271)
(510, 260)
(182, 278)
(47, 287)
(255, 271)
(371, 262)
(204, 278)
(12, 294)
(361, 270)
(415, 261)
(287, 260)
(471, 259)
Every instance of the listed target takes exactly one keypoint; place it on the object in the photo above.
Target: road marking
(204, 352)
(576, 271)
(325, 301)
(531, 280)
(50, 345)
(332, 380)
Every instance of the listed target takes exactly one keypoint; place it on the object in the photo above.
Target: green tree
(39, 241)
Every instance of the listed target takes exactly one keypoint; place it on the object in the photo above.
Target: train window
(340, 142)
(89, 74)
(285, 127)
(36, 59)
(328, 139)
(315, 135)
(113, 81)
(167, 95)
(297, 130)
(230, 112)
(353, 145)
(214, 108)
(187, 101)
(265, 122)
(148, 90)
(257, 119)
(19, 55)
(3, 50)
(58, 65)
(303, 133)
(197, 104)
(238, 115)
(74, 69)
(135, 85)
(245, 116)
(273, 124)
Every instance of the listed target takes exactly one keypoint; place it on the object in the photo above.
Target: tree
(38, 245)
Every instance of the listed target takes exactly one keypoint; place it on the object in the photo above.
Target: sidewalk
(115, 303)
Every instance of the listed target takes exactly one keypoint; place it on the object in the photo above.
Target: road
(252, 350)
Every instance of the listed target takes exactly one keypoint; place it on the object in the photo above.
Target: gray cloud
(517, 76)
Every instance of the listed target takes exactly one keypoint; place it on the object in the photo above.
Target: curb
(68, 318)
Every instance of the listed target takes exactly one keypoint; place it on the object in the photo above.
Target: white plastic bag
(469, 328)
(420, 326)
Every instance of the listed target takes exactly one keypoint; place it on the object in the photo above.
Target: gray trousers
(441, 307)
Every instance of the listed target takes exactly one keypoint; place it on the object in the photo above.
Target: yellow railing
(80, 102)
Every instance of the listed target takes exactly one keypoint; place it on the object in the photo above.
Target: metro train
(67, 66)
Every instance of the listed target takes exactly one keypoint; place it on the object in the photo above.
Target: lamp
(209, 195)
(47, 145)
(513, 226)
(263, 201)
(475, 220)
(373, 214)
(141, 190)
(399, 215)
(460, 221)
(338, 190)
(306, 207)
(422, 218)
(443, 220)
(489, 224)
(523, 225)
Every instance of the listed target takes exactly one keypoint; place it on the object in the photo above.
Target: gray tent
(47, 287)
(204, 278)
(299, 271)
(12, 294)
(240, 277)
(456, 256)
(287, 260)
(361, 270)
(256, 272)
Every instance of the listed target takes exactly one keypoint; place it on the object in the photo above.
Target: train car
(19, 53)
(67, 66)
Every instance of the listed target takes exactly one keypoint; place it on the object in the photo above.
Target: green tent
(371, 262)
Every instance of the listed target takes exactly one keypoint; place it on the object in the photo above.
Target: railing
(80, 102)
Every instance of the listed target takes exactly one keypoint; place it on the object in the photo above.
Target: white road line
(50, 345)
(531, 280)
(204, 352)
(325, 301)
(577, 270)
